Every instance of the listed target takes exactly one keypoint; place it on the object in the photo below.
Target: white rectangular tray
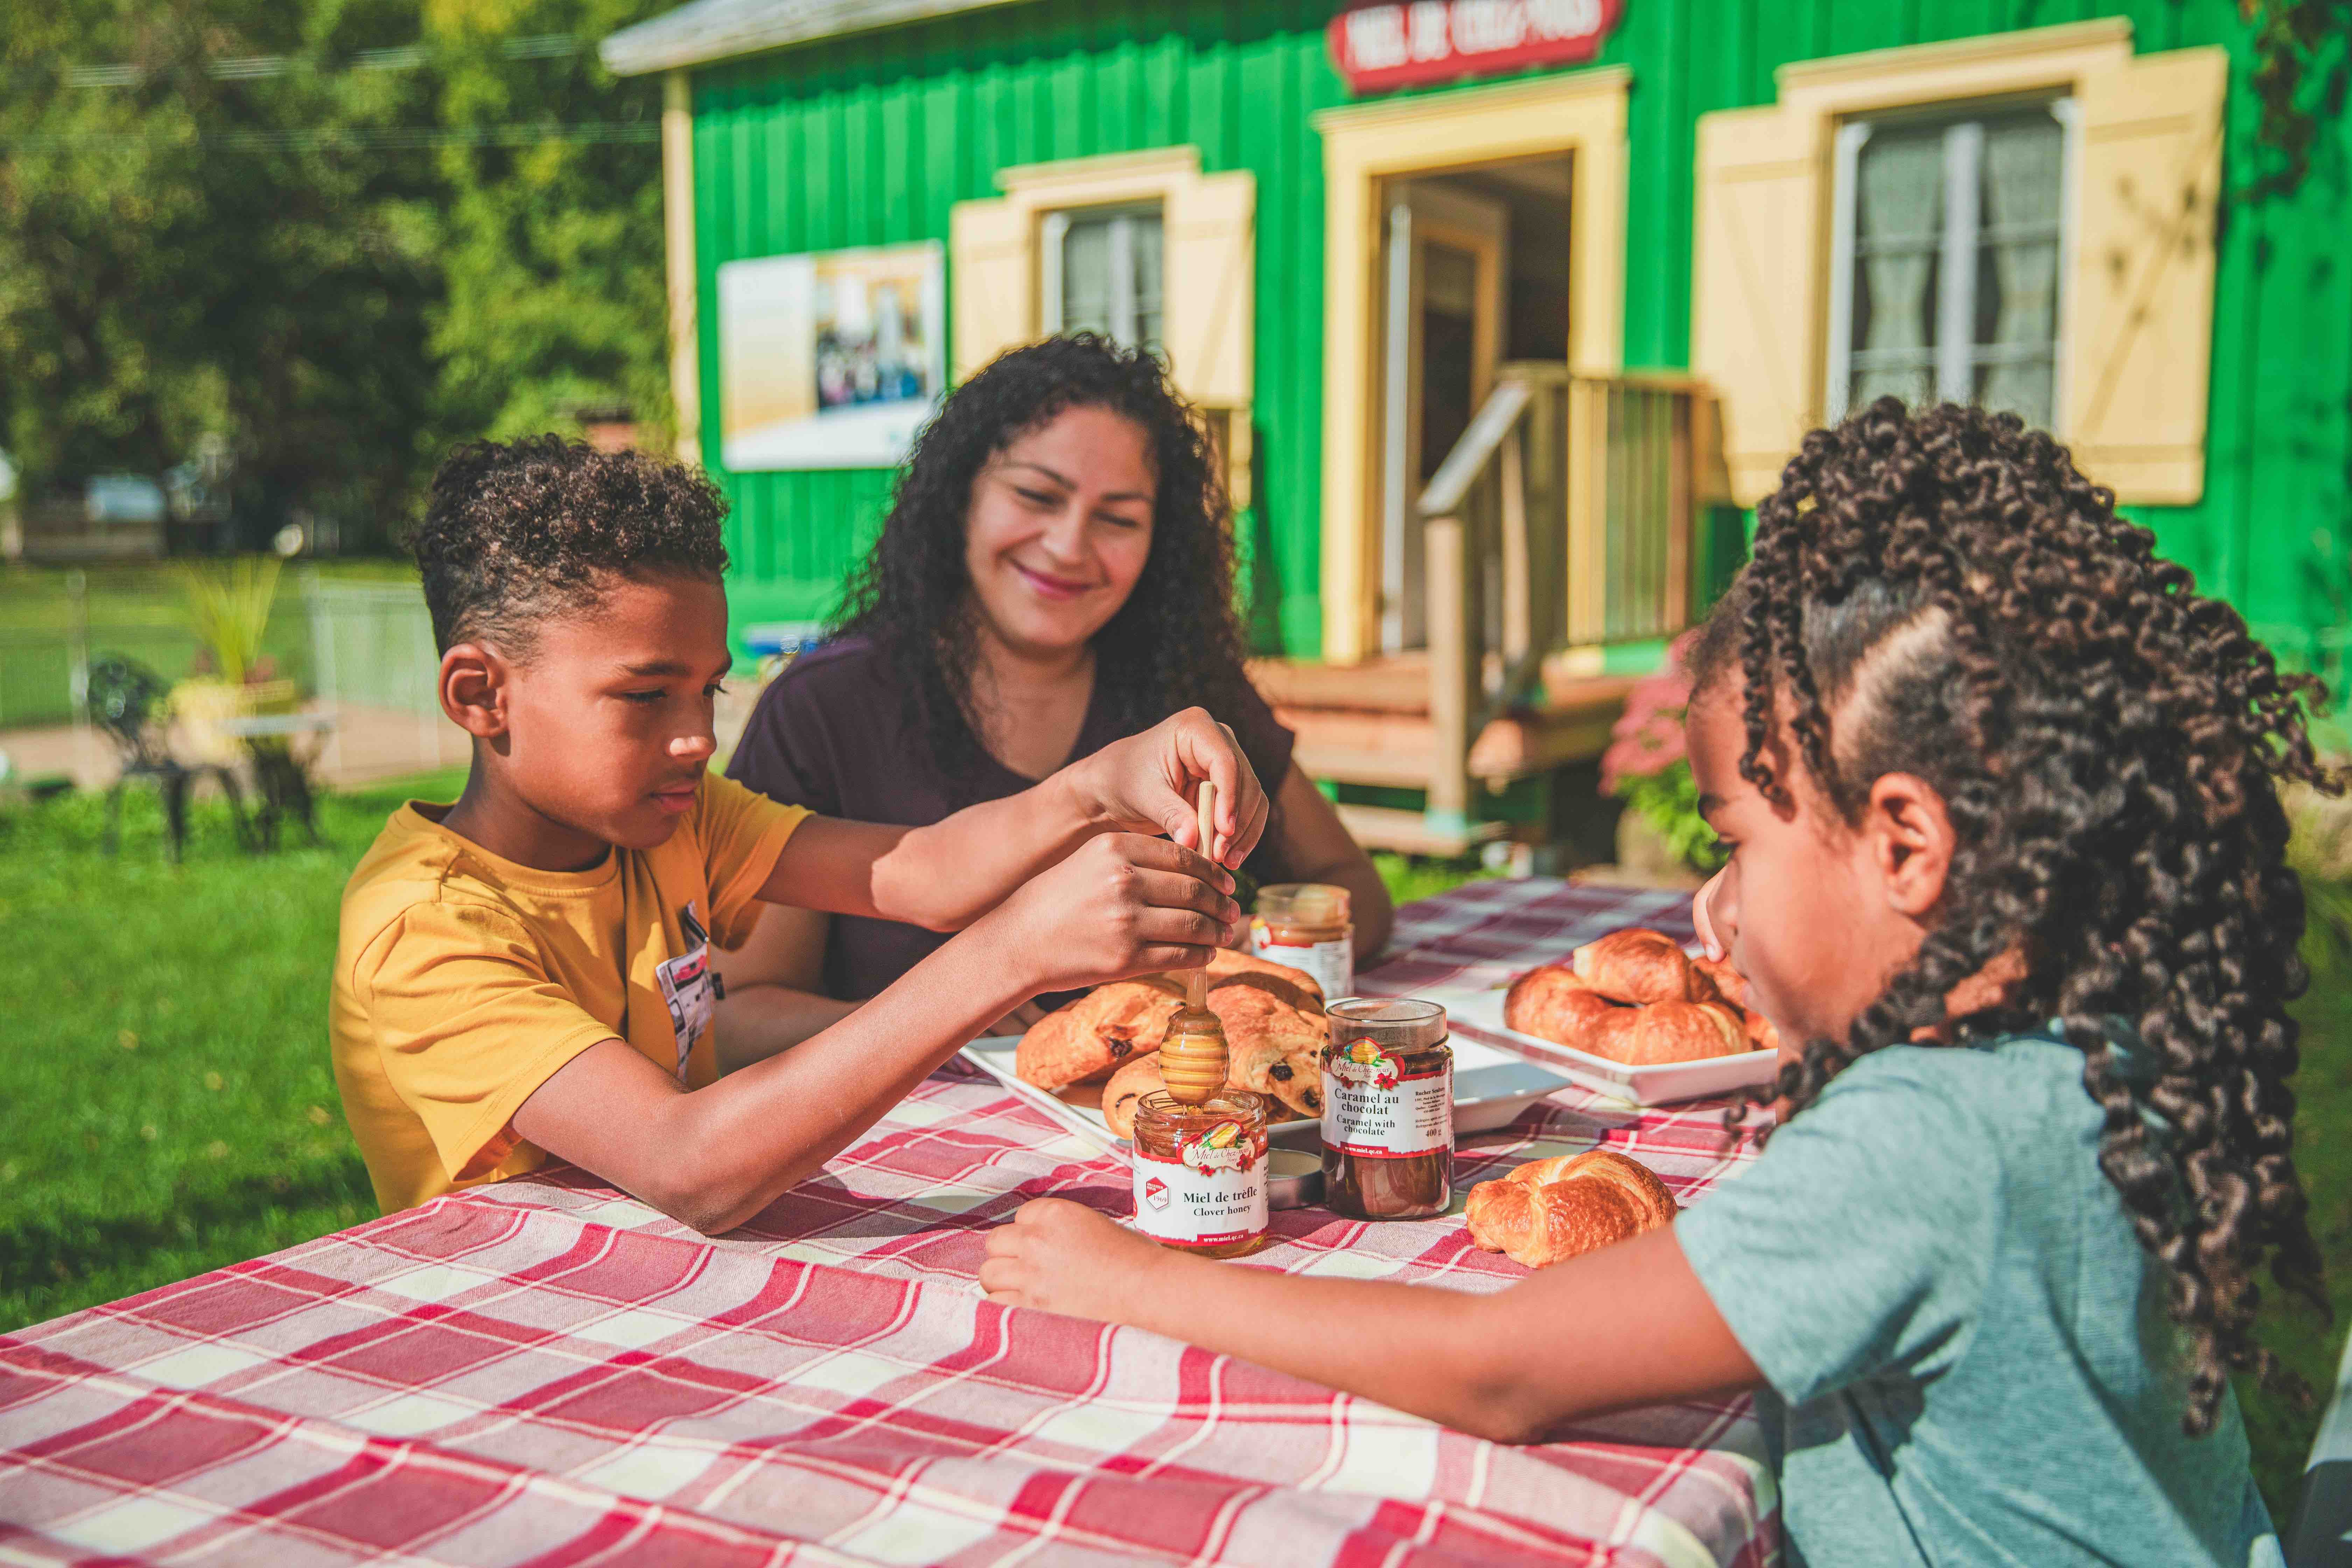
(1478, 1016)
(1491, 1085)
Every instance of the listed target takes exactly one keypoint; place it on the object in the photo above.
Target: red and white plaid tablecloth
(547, 1372)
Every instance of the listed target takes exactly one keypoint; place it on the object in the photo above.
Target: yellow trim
(1579, 114)
(2031, 48)
(1072, 182)
(2094, 63)
(677, 236)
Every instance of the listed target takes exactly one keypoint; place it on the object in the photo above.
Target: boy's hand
(1120, 905)
(1062, 1257)
(1149, 783)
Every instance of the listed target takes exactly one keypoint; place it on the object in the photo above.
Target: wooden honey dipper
(1194, 1060)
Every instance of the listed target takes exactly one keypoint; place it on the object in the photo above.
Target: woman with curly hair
(2000, 789)
(1055, 571)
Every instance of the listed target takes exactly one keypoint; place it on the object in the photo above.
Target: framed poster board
(830, 359)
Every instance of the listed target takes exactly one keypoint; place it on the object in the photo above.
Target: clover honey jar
(1306, 925)
(1388, 1110)
(1201, 1172)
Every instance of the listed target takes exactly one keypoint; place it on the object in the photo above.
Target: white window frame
(1962, 237)
(1053, 228)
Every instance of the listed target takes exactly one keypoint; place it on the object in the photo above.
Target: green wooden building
(1501, 309)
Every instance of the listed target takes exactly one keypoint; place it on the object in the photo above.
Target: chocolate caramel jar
(1388, 1110)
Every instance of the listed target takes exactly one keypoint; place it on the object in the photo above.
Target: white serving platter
(1491, 1085)
(1478, 1016)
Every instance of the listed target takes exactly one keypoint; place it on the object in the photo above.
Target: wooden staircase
(1371, 724)
(1563, 520)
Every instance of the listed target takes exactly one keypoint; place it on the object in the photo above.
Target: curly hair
(1941, 592)
(1173, 643)
(516, 532)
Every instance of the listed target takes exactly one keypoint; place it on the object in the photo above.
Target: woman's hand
(1120, 905)
(1064, 1258)
(1149, 783)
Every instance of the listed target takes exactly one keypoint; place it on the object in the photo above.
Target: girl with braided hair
(2007, 870)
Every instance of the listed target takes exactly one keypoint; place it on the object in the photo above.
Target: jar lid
(1392, 1023)
(1303, 903)
(1293, 1178)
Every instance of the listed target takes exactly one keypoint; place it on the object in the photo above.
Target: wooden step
(1411, 833)
(1399, 750)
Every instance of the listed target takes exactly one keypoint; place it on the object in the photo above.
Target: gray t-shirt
(1967, 1351)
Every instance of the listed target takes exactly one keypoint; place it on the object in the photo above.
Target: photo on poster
(831, 359)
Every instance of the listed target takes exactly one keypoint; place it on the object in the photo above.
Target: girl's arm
(1628, 1325)
(1316, 847)
(947, 874)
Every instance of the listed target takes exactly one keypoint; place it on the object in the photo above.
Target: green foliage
(1668, 801)
(2301, 64)
(228, 606)
(337, 265)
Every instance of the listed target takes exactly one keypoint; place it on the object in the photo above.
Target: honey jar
(1201, 1172)
(1306, 926)
(1388, 1110)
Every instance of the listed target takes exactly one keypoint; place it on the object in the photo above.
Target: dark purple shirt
(835, 734)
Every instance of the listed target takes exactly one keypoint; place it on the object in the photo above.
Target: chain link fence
(360, 651)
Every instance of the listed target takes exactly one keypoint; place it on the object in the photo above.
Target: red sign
(1419, 41)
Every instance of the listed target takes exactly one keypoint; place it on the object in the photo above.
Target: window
(1103, 273)
(1948, 250)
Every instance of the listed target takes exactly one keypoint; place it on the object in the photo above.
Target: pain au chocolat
(1272, 1015)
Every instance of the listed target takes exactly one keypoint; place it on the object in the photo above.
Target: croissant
(1732, 988)
(1547, 1211)
(1641, 966)
(1552, 1003)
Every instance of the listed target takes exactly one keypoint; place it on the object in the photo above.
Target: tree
(337, 234)
(551, 251)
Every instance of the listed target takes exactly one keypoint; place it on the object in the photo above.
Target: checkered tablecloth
(548, 1372)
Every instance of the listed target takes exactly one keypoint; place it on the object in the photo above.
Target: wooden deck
(1370, 723)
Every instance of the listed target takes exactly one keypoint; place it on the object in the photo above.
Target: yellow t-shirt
(463, 981)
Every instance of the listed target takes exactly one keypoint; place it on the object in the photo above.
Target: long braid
(1942, 594)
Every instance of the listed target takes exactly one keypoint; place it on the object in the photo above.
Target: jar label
(1213, 1193)
(1333, 963)
(1372, 1109)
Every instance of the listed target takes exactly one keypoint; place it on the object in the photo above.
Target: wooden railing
(1566, 516)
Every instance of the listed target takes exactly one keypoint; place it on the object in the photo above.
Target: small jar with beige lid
(1306, 926)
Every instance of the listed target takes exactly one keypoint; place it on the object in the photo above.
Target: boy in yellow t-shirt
(525, 973)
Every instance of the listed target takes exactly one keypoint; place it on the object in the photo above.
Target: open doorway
(1475, 273)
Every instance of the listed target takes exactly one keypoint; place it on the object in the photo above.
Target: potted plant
(228, 608)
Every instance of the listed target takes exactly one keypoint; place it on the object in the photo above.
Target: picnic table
(547, 1371)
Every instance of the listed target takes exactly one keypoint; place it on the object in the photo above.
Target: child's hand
(1702, 918)
(1120, 905)
(1149, 784)
(1064, 1258)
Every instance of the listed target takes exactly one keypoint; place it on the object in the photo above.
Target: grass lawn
(167, 1105)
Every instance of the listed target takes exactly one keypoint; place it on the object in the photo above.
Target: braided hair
(1941, 592)
(1175, 643)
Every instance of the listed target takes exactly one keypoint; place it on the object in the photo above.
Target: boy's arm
(945, 875)
(713, 1157)
(1628, 1325)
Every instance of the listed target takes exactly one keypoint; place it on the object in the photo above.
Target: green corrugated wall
(870, 140)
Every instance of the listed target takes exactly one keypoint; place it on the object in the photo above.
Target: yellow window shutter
(1757, 284)
(1210, 283)
(2139, 333)
(992, 280)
